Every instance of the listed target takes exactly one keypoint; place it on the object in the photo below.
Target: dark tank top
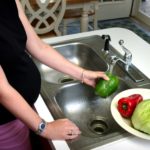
(18, 66)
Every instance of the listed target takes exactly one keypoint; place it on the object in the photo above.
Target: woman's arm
(17, 105)
(49, 56)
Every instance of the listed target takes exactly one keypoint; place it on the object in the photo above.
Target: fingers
(73, 134)
(90, 77)
(61, 129)
(72, 131)
(102, 75)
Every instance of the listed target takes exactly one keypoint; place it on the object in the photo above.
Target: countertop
(141, 52)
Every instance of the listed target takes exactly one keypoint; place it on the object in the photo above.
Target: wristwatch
(41, 127)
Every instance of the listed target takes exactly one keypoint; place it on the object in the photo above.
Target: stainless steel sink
(90, 112)
(77, 53)
(66, 97)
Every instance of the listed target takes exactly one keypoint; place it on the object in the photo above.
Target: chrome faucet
(127, 58)
(112, 59)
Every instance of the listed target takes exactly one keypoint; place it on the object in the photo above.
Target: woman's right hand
(61, 129)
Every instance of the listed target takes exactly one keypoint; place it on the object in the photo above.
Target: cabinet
(112, 9)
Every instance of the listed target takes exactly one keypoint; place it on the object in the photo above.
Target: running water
(112, 64)
(111, 67)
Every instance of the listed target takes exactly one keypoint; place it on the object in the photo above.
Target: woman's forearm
(16, 104)
(49, 56)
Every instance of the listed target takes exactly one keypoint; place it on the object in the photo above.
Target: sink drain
(65, 80)
(98, 125)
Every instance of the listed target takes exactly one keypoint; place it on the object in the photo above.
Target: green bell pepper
(105, 88)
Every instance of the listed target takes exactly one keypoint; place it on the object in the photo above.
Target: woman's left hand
(89, 77)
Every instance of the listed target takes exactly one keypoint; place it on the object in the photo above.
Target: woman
(20, 81)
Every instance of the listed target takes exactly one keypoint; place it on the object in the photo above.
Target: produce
(127, 105)
(141, 117)
(105, 88)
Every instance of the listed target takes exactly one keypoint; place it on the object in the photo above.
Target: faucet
(127, 58)
(126, 61)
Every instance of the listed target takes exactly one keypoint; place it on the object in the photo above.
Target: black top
(19, 68)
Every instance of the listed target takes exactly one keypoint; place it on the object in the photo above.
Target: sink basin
(77, 53)
(90, 112)
(66, 97)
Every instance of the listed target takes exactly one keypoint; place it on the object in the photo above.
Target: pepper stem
(124, 106)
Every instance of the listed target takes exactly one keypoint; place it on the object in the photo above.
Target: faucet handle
(121, 42)
(128, 54)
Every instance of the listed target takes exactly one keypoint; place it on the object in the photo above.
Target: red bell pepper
(126, 105)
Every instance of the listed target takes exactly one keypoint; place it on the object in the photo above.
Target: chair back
(45, 15)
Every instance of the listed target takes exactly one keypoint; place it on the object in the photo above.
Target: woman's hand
(61, 129)
(89, 77)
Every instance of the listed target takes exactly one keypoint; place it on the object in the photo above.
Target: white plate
(126, 123)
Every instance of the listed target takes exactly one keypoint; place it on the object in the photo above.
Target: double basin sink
(67, 97)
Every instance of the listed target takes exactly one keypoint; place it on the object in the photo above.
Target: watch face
(42, 125)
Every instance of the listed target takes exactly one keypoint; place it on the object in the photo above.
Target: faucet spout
(114, 59)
